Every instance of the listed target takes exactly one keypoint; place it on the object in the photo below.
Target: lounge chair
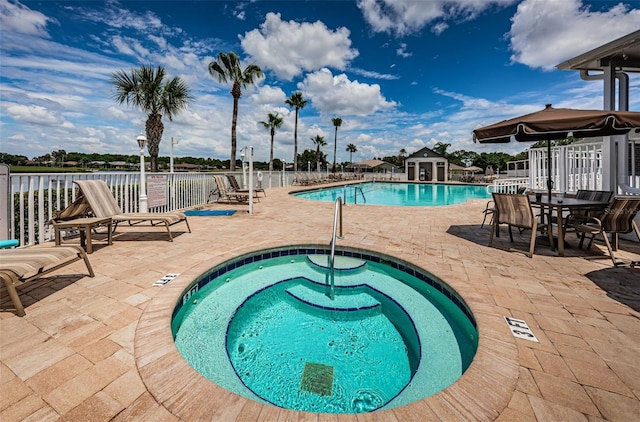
(103, 204)
(617, 218)
(515, 211)
(227, 194)
(19, 266)
(235, 187)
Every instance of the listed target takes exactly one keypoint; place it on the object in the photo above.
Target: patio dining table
(559, 205)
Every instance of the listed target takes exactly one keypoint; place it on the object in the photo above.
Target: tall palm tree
(296, 100)
(228, 69)
(318, 141)
(274, 122)
(337, 122)
(351, 149)
(150, 91)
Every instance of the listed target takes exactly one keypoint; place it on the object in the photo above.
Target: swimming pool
(263, 327)
(398, 193)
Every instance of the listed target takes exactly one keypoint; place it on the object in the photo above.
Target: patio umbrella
(473, 169)
(558, 123)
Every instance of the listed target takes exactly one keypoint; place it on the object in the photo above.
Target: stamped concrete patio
(97, 349)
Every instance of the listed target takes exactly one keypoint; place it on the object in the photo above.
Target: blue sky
(400, 73)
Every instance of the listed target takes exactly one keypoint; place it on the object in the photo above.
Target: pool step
(341, 263)
(341, 302)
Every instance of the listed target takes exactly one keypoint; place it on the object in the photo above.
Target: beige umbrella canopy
(473, 169)
(558, 123)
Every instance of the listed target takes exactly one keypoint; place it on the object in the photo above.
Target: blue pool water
(265, 327)
(397, 193)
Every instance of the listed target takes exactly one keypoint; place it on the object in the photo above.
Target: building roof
(429, 153)
(623, 54)
(371, 164)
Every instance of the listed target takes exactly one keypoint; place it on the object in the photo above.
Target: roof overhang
(622, 54)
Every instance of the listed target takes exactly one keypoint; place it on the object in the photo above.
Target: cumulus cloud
(402, 17)
(340, 96)
(269, 95)
(16, 18)
(35, 115)
(545, 33)
(290, 48)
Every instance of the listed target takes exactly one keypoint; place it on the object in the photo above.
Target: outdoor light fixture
(173, 142)
(143, 204)
(248, 152)
(244, 175)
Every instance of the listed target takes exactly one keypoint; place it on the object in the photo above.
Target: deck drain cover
(317, 379)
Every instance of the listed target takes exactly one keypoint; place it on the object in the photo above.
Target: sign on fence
(157, 190)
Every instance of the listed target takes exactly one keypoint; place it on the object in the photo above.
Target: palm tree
(318, 142)
(148, 90)
(296, 100)
(274, 122)
(351, 149)
(228, 69)
(337, 122)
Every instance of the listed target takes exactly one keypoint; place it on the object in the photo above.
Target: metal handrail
(332, 258)
(355, 197)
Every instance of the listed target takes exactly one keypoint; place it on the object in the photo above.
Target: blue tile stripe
(422, 275)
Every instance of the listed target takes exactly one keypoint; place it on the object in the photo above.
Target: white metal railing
(510, 185)
(36, 197)
(577, 166)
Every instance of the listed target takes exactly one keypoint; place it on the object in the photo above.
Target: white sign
(157, 190)
(520, 329)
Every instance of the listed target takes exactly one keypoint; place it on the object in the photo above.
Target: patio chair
(227, 194)
(514, 210)
(235, 187)
(616, 219)
(103, 204)
(490, 208)
(19, 266)
(579, 216)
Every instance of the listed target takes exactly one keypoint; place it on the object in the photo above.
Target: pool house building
(426, 165)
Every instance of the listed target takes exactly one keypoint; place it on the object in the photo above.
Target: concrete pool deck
(96, 348)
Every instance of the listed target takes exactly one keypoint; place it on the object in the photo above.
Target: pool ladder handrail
(332, 258)
(355, 197)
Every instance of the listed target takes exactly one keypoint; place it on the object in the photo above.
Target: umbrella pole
(549, 181)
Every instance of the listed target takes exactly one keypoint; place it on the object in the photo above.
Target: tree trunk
(295, 144)
(335, 149)
(234, 120)
(236, 93)
(154, 129)
(273, 133)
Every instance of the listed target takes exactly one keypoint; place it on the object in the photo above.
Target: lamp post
(143, 183)
(250, 150)
(173, 142)
(244, 175)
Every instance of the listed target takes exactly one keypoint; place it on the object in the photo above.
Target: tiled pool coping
(483, 391)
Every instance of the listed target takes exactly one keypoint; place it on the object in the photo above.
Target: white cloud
(404, 17)
(35, 115)
(290, 48)
(545, 33)
(402, 51)
(16, 18)
(269, 95)
(374, 75)
(337, 95)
